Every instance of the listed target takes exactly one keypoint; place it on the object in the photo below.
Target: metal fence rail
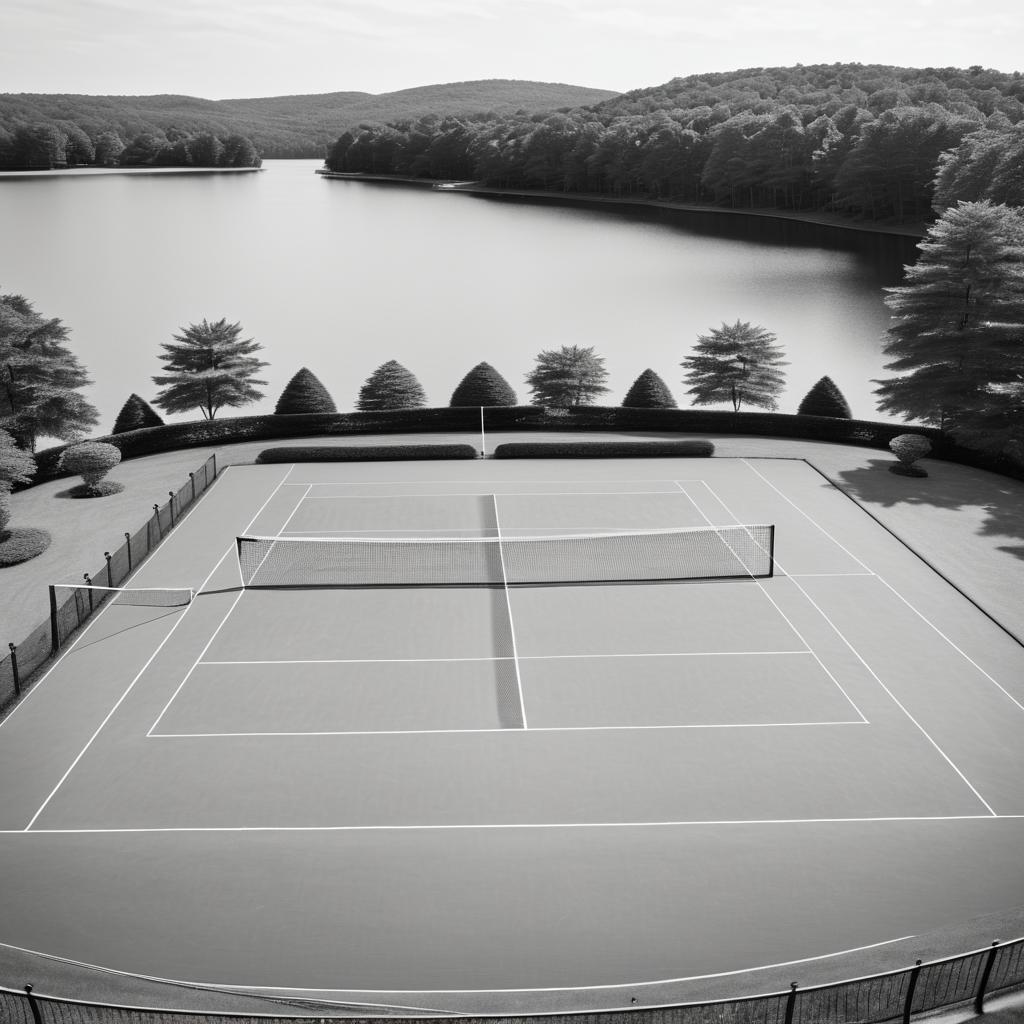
(49, 636)
(958, 981)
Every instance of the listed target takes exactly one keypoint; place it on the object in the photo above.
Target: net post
(54, 626)
(213, 459)
(33, 1005)
(110, 575)
(128, 547)
(14, 669)
(979, 999)
(790, 1002)
(911, 986)
(771, 550)
(238, 553)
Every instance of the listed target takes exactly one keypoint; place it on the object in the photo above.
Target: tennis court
(436, 765)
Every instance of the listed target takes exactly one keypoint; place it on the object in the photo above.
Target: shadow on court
(1000, 500)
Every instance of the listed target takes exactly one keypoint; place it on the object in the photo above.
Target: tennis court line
(227, 615)
(121, 699)
(93, 619)
(786, 618)
(507, 657)
(511, 621)
(220, 986)
(474, 494)
(492, 826)
(924, 732)
(924, 618)
(494, 729)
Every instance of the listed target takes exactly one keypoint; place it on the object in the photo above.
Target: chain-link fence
(70, 608)
(960, 981)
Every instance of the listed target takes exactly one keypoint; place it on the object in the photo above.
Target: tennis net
(71, 604)
(722, 552)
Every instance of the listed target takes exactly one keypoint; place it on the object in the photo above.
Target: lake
(342, 276)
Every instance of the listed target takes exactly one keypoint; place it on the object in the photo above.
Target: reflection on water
(341, 276)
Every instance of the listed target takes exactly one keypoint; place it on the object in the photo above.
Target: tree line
(863, 141)
(49, 145)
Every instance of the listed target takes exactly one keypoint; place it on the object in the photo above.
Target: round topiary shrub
(908, 448)
(92, 460)
(18, 545)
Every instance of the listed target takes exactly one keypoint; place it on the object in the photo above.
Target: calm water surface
(342, 276)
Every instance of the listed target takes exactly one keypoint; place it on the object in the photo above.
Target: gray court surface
(491, 788)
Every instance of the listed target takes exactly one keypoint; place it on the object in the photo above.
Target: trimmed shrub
(908, 448)
(19, 545)
(304, 393)
(369, 453)
(825, 399)
(483, 385)
(649, 391)
(391, 386)
(16, 465)
(135, 414)
(604, 450)
(92, 460)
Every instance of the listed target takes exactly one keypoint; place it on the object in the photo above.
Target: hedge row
(604, 449)
(369, 453)
(152, 440)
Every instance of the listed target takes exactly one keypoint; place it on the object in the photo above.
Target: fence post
(128, 545)
(979, 999)
(791, 1002)
(110, 577)
(14, 670)
(170, 505)
(88, 585)
(914, 972)
(213, 458)
(156, 516)
(192, 481)
(54, 625)
(32, 1005)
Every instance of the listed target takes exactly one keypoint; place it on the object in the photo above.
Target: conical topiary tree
(825, 399)
(391, 386)
(135, 414)
(483, 385)
(649, 391)
(304, 393)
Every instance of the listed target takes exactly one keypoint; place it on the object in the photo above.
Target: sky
(220, 49)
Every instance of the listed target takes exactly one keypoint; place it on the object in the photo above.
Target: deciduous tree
(649, 391)
(391, 386)
(16, 465)
(956, 340)
(209, 367)
(483, 385)
(569, 376)
(738, 363)
(304, 393)
(40, 377)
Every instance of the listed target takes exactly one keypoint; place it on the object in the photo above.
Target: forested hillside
(281, 126)
(861, 140)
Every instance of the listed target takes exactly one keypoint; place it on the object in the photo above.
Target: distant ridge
(303, 125)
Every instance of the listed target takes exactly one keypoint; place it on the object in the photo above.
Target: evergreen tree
(570, 376)
(135, 414)
(649, 391)
(16, 464)
(39, 377)
(957, 335)
(738, 363)
(209, 367)
(483, 385)
(825, 399)
(391, 386)
(304, 393)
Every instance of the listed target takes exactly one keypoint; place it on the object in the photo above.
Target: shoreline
(829, 220)
(90, 172)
